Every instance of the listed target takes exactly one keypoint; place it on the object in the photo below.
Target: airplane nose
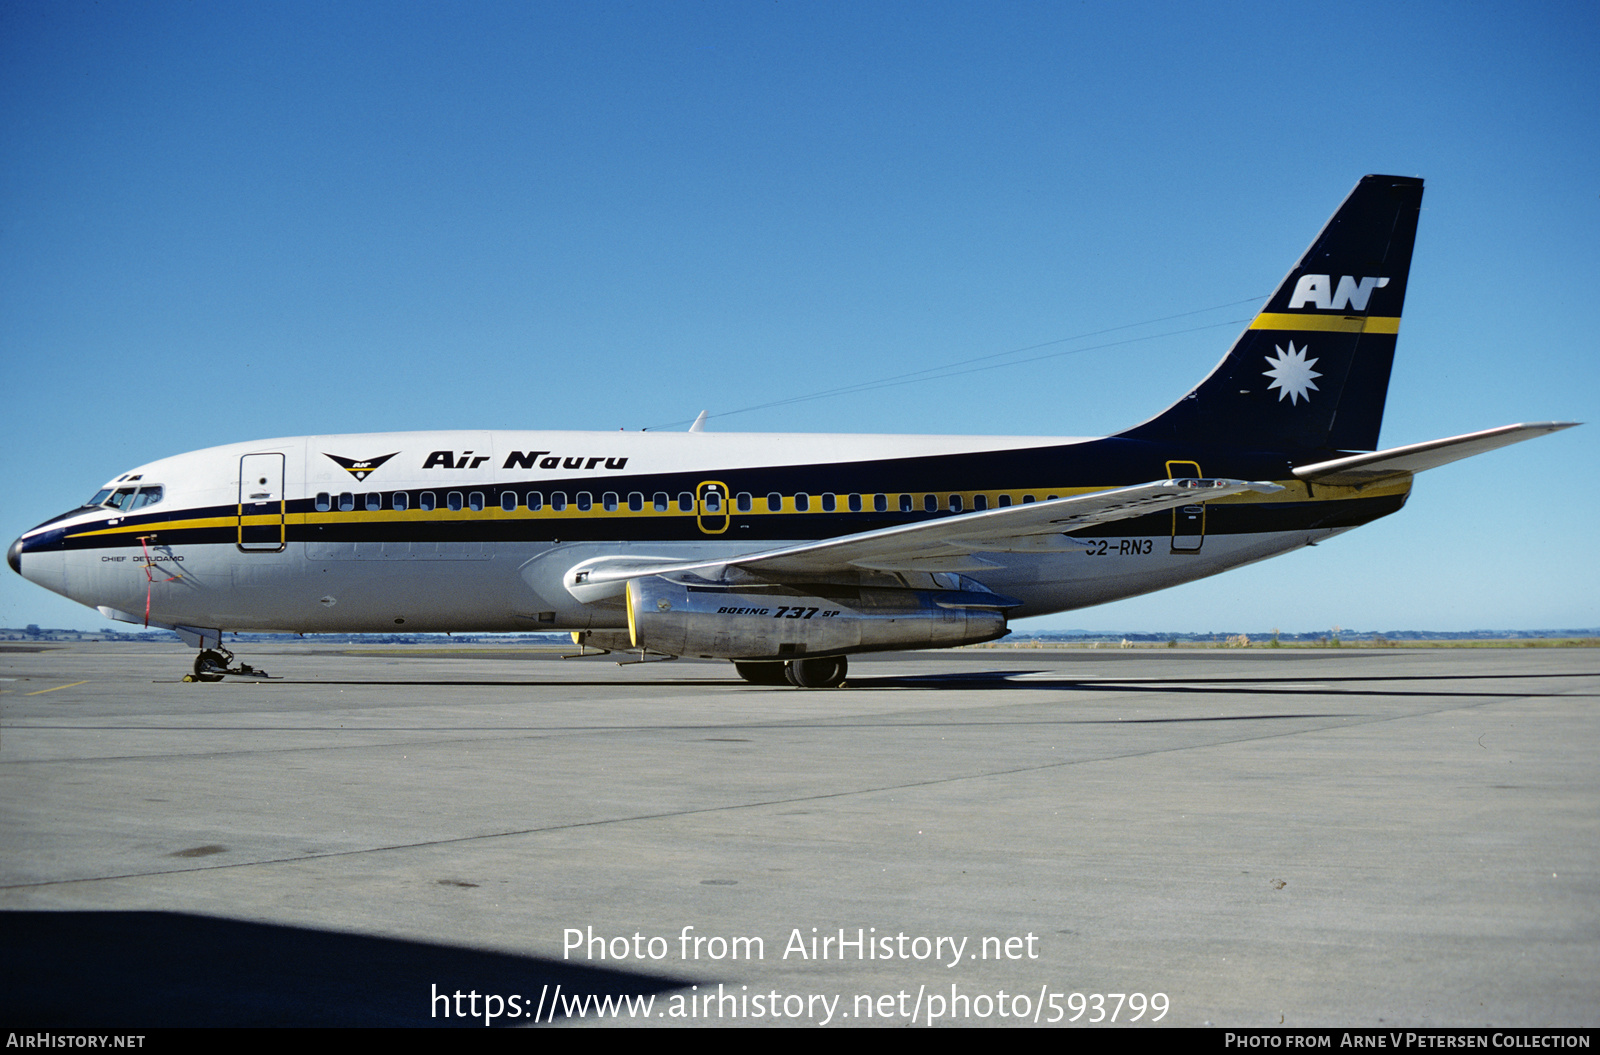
(14, 556)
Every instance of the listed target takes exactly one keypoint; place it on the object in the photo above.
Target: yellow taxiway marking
(43, 691)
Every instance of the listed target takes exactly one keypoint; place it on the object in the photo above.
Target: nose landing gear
(212, 663)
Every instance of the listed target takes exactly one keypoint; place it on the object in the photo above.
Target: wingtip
(1546, 426)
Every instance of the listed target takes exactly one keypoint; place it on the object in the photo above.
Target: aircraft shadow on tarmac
(1306, 685)
(76, 970)
(1057, 680)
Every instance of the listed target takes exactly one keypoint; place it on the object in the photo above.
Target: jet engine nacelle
(780, 622)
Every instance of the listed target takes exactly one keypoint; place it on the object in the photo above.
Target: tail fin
(1312, 370)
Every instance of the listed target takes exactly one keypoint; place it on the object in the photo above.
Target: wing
(954, 543)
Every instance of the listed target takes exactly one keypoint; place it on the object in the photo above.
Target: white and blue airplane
(782, 553)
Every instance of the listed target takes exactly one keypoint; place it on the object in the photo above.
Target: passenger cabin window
(585, 502)
(744, 502)
(686, 502)
(374, 501)
(661, 500)
(401, 501)
(324, 501)
(347, 501)
(880, 503)
(535, 501)
(608, 501)
(955, 503)
(905, 503)
(558, 501)
(1027, 500)
(980, 501)
(774, 503)
(475, 501)
(828, 503)
(1005, 500)
(508, 501)
(426, 502)
(453, 501)
(802, 502)
(635, 502)
(930, 503)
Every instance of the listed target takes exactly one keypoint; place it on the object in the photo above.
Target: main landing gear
(212, 663)
(822, 672)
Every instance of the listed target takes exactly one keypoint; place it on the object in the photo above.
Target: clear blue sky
(230, 221)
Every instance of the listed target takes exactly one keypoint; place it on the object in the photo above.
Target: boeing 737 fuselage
(783, 553)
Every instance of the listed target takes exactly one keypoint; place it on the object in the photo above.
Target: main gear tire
(758, 673)
(824, 672)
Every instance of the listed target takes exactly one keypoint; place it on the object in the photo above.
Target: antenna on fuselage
(699, 423)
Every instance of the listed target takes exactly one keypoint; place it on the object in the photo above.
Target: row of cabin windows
(660, 502)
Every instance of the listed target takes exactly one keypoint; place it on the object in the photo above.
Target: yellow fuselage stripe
(1295, 491)
(165, 525)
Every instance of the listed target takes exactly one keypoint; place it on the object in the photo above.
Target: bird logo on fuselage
(360, 468)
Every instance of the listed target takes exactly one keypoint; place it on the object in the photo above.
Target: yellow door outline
(1188, 522)
(711, 510)
(261, 503)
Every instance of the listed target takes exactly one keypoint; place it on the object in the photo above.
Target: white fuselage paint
(510, 586)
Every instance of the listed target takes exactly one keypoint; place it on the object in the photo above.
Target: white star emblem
(1291, 373)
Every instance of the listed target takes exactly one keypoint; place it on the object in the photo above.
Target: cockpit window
(147, 496)
(126, 499)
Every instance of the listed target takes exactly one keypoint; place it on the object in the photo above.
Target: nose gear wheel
(212, 663)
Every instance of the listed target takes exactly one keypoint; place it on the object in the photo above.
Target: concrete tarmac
(1323, 837)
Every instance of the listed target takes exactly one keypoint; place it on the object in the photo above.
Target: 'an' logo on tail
(1319, 290)
(362, 468)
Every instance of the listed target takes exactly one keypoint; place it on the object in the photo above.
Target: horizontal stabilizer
(1415, 457)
